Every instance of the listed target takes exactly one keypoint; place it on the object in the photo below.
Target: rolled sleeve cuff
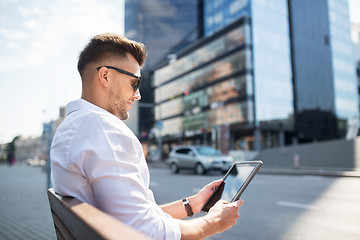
(176, 231)
(172, 229)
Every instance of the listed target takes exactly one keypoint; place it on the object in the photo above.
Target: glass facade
(210, 86)
(325, 83)
(210, 51)
(271, 77)
(313, 71)
(344, 71)
(220, 13)
(267, 73)
(272, 63)
(204, 76)
(153, 23)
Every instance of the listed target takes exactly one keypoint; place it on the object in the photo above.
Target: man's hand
(198, 200)
(223, 215)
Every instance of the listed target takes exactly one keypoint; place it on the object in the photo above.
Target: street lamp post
(48, 180)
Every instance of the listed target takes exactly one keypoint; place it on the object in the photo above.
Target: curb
(316, 172)
(285, 171)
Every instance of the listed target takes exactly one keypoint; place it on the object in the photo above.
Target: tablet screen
(235, 179)
(235, 182)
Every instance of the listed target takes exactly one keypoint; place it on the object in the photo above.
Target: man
(96, 158)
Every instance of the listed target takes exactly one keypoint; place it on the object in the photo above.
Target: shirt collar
(81, 104)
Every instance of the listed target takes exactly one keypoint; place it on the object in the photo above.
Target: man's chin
(124, 116)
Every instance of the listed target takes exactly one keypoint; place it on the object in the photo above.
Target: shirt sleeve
(113, 167)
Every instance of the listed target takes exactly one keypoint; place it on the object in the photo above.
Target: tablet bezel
(242, 188)
(248, 179)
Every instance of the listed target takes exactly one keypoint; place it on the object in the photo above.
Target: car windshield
(208, 151)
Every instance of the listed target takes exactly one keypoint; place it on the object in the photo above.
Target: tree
(10, 148)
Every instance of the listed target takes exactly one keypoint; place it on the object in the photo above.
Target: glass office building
(208, 94)
(161, 25)
(323, 66)
(266, 73)
(272, 71)
(344, 73)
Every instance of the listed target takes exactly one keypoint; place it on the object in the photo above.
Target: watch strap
(187, 207)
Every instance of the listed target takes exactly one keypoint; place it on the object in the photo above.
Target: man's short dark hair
(104, 45)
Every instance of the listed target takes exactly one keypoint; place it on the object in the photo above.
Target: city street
(279, 207)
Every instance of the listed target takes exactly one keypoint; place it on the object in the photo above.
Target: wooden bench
(74, 219)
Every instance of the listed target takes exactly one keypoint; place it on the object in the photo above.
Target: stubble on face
(118, 104)
(121, 95)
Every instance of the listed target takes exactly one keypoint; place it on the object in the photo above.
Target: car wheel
(174, 168)
(199, 169)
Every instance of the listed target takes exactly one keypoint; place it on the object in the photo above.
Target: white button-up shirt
(96, 158)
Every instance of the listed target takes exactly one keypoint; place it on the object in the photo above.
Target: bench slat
(74, 219)
(61, 230)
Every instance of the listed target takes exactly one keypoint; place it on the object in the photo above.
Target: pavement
(311, 171)
(287, 171)
(24, 207)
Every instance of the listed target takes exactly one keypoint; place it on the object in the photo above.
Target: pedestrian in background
(11, 159)
(96, 158)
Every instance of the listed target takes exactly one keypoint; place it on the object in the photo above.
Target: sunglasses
(136, 85)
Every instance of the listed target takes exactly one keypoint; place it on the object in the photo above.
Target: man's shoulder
(92, 119)
(81, 111)
(86, 119)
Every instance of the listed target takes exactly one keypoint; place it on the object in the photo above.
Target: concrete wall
(336, 154)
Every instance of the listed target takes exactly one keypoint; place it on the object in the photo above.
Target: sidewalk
(24, 208)
(287, 171)
(302, 171)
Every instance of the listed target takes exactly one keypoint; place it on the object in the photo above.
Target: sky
(40, 41)
(354, 11)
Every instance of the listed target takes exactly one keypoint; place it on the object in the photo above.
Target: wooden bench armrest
(74, 219)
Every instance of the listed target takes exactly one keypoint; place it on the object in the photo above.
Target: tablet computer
(234, 182)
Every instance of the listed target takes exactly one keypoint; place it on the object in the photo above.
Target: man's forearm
(177, 210)
(222, 216)
(198, 228)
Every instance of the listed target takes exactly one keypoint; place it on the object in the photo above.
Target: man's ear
(103, 74)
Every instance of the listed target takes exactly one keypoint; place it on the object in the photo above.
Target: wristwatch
(188, 208)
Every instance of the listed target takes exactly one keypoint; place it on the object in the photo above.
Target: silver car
(200, 158)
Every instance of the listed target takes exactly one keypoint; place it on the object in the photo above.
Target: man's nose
(137, 95)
